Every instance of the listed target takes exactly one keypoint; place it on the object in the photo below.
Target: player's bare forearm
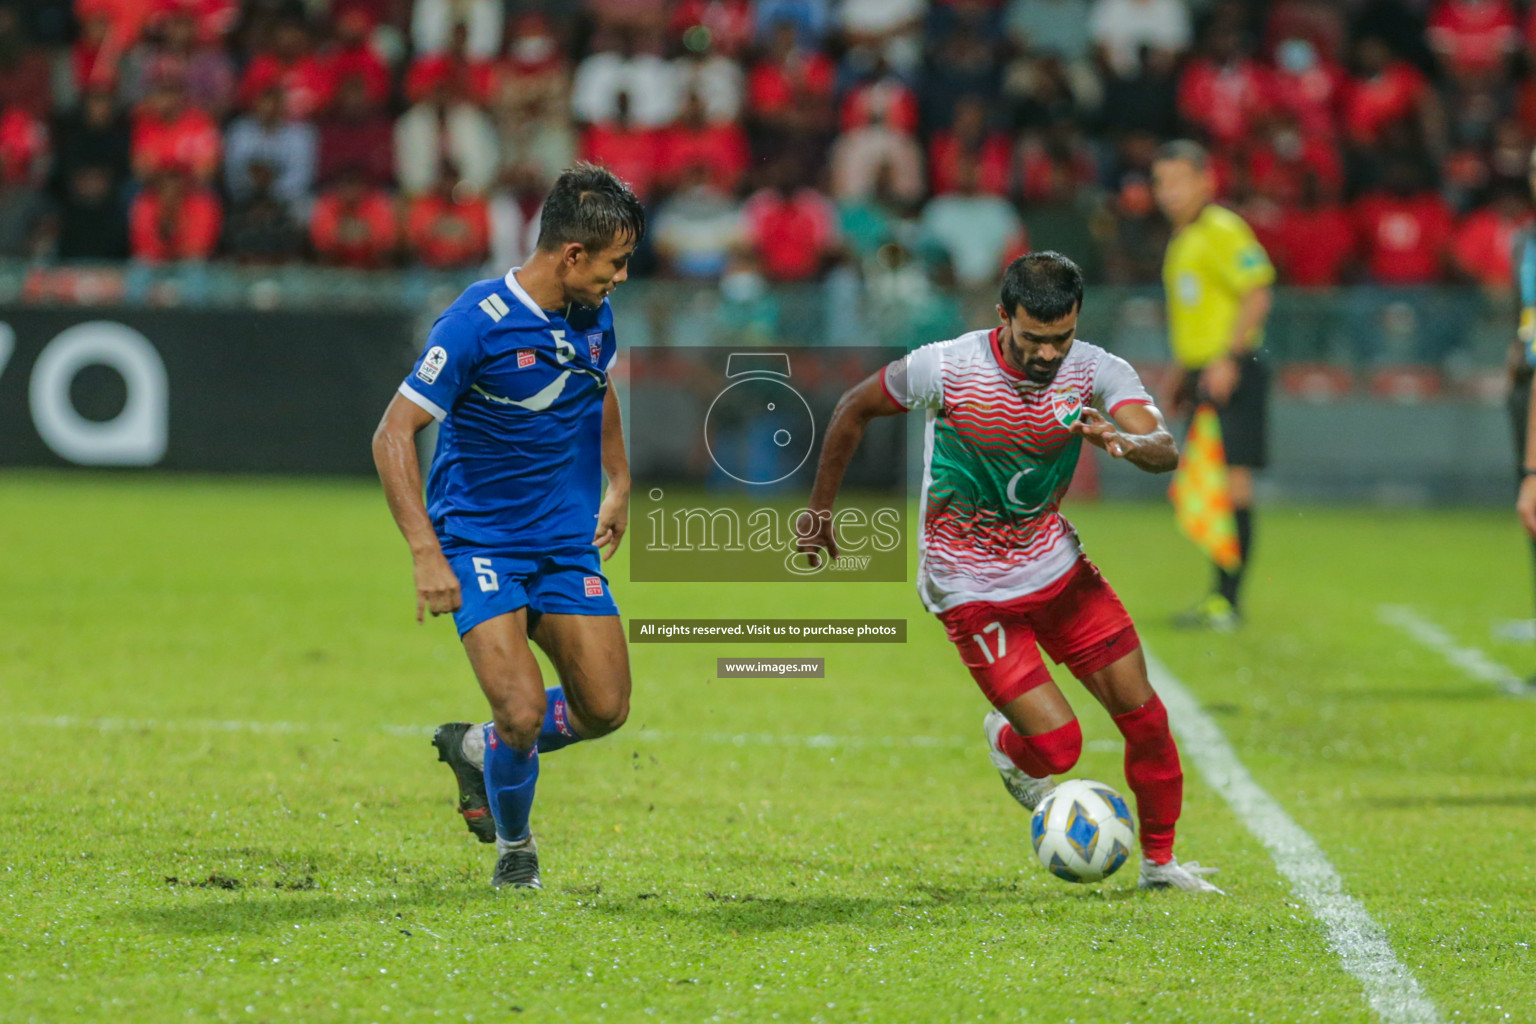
(859, 404)
(394, 455)
(1251, 314)
(1137, 433)
(615, 461)
(613, 513)
(1156, 452)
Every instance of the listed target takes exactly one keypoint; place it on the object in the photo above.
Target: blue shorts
(495, 581)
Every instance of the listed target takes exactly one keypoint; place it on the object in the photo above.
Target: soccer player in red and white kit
(1007, 413)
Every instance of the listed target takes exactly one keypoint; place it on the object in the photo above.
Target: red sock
(1049, 753)
(1152, 769)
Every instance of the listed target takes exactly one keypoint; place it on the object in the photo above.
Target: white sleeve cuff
(437, 411)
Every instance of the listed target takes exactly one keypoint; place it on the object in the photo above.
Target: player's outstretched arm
(394, 454)
(613, 515)
(1136, 433)
(859, 404)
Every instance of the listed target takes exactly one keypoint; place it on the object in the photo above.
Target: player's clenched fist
(437, 587)
(814, 532)
(1101, 433)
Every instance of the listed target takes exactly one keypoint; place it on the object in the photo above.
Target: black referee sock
(1228, 583)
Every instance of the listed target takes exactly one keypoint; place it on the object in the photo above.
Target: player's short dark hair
(590, 205)
(1188, 150)
(1046, 285)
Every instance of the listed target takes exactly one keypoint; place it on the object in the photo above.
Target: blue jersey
(518, 392)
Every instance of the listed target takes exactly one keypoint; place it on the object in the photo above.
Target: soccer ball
(1082, 831)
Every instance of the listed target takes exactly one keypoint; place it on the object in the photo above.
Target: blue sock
(557, 732)
(510, 777)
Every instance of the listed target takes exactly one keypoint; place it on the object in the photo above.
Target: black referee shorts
(1245, 417)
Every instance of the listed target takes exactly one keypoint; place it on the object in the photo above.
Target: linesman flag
(1202, 504)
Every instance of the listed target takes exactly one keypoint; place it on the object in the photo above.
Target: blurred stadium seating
(816, 171)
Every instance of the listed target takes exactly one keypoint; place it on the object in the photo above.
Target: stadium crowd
(1382, 141)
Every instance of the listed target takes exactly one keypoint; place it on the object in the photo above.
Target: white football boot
(1027, 789)
(1174, 875)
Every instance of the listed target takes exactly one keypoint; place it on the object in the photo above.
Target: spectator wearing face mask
(1307, 87)
(1225, 92)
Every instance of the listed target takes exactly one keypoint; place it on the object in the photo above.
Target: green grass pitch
(160, 866)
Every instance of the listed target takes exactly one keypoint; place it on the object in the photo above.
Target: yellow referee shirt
(1208, 268)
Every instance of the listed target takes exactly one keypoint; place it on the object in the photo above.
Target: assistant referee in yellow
(1219, 283)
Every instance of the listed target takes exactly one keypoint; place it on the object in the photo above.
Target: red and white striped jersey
(998, 454)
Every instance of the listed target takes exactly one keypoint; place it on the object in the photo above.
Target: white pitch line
(737, 739)
(1392, 991)
(1470, 660)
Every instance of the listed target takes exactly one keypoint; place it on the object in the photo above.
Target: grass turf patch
(261, 832)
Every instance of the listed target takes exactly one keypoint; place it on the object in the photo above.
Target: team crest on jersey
(432, 364)
(1189, 288)
(595, 346)
(592, 585)
(525, 358)
(1067, 406)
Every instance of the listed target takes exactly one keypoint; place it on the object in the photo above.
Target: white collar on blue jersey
(522, 296)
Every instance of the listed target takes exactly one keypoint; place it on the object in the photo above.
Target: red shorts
(1078, 620)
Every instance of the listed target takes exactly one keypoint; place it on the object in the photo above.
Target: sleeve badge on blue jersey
(595, 346)
(525, 358)
(432, 364)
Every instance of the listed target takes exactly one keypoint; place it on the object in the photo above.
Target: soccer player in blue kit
(515, 372)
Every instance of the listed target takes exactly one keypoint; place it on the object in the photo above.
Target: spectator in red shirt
(1404, 232)
(357, 134)
(534, 67)
(1322, 22)
(861, 155)
(1404, 229)
(459, 77)
(1485, 241)
(693, 140)
(883, 97)
(173, 219)
(789, 91)
(792, 230)
(23, 148)
(172, 50)
(124, 20)
(307, 81)
(727, 23)
(1061, 148)
(1315, 242)
(94, 58)
(448, 227)
(634, 154)
(1307, 86)
(1386, 91)
(1225, 92)
(26, 76)
(1279, 162)
(167, 131)
(352, 56)
(970, 137)
(354, 225)
(1473, 38)
(438, 129)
